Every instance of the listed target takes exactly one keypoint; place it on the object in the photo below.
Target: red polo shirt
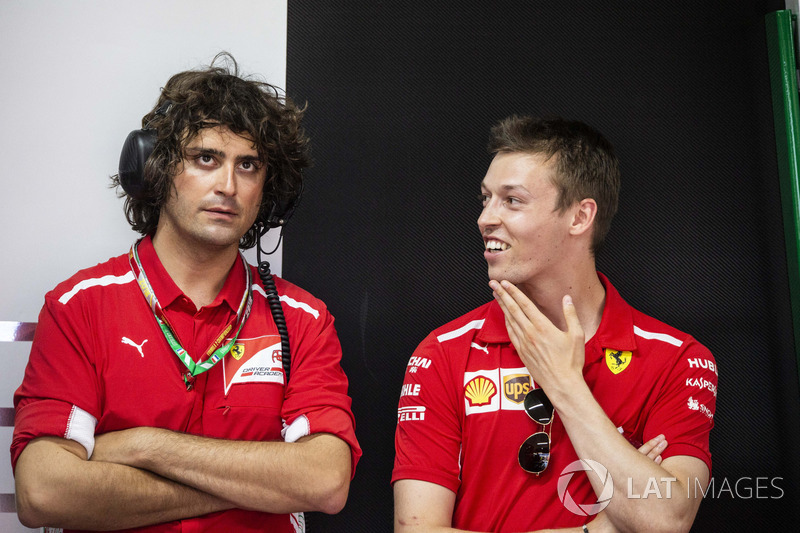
(461, 419)
(99, 363)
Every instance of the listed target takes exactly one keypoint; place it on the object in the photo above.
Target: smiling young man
(155, 396)
(499, 405)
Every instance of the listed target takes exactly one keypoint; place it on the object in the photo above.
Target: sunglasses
(534, 454)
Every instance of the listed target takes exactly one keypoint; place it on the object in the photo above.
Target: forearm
(409, 527)
(595, 437)
(423, 507)
(57, 487)
(599, 524)
(312, 474)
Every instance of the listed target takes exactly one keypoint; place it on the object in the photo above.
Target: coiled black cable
(274, 301)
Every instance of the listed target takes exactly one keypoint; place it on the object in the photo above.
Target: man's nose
(226, 180)
(489, 216)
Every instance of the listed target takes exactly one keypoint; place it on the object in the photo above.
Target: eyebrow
(199, 150)
(196, 150)
(506, 188)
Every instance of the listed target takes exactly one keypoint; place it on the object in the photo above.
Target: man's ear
(583, 218)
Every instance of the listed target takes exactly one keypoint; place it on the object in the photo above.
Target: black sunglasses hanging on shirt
(534, 453)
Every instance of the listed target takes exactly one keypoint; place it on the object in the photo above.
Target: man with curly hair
(159, 394)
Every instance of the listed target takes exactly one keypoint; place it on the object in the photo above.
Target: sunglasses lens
(538, 406)
(534, 454)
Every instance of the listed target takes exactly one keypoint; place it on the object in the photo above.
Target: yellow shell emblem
(617, 360)
(479, 391)
(237, 351)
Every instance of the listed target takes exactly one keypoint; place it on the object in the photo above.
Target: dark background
(401, 98)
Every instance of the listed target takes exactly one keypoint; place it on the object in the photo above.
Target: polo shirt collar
(615, 331)
(494, 326)
(616, 326)
(168, 292)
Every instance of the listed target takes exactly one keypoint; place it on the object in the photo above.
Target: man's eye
(250, 166)
(205, 159)
(483, 198)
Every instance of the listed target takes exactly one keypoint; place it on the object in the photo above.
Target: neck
(199, 272)
(586, 290)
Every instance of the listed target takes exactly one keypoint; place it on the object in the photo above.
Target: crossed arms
(143, 476)
(421, 506)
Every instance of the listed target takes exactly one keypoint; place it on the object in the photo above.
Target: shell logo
(479, 391)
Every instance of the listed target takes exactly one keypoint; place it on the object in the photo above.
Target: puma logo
(126, 340)
(479, 347)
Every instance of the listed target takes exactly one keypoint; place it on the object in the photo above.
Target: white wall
(76, 77)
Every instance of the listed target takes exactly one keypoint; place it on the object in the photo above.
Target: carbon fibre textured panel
(401, 97)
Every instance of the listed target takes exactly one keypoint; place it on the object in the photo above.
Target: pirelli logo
(412, 412)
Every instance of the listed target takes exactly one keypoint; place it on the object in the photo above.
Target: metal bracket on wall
(786, 111)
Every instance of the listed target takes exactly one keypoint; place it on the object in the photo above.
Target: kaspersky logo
(585, 465)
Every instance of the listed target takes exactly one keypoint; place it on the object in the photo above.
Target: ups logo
(516, 386)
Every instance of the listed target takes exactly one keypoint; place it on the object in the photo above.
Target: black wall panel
(401, 97)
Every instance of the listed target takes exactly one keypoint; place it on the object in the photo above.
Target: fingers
(520, 310)
(516, 319)
(653, 448)
(514, 303)
(571, 316)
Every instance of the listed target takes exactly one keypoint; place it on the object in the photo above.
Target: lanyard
(214, 353)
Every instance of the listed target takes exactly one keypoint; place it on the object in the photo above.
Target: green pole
(786, 110)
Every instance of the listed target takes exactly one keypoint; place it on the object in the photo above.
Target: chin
(217, 241)
(497, 274)
(503, 275)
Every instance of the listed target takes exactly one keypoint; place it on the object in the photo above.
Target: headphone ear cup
(280, 213)
(137, 148)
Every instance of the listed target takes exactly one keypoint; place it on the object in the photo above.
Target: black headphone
(137, 148)
(140, 144)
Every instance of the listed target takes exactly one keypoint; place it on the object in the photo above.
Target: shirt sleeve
(58, 395)
(428, 435)
(316, 397)
(684, 410)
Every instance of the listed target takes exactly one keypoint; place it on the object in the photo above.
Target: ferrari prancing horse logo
(617, 361)
(237, 351)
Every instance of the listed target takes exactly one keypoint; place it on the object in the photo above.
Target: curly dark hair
(585, 163)
(219, 96)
